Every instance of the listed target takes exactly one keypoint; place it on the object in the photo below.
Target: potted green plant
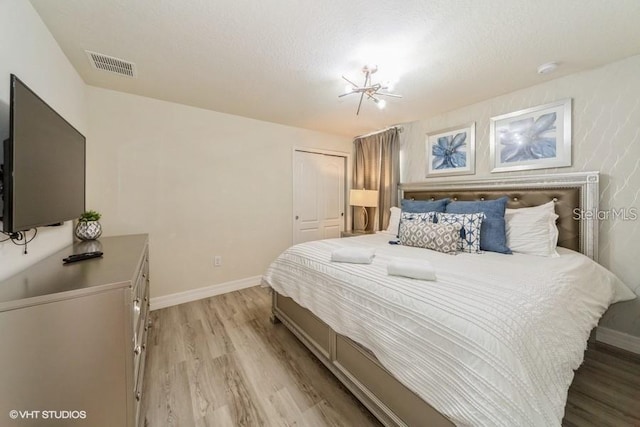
(88, 227)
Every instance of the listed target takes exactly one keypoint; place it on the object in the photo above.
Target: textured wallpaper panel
(606, 138)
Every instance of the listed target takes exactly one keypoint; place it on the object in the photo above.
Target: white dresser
(73, 337)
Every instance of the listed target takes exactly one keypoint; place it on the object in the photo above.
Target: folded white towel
(353, 255)
(414, 269)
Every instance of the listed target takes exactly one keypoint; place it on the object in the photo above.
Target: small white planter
(88, 230)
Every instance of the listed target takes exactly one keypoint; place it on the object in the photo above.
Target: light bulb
(371, 68)
(381, 103)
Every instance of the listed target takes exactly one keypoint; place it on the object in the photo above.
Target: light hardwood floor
(220, 362)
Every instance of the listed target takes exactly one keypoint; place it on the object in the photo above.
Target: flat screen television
(44, 164)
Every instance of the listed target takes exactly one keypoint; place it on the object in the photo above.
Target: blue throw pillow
(419, 206)
(470, 229)
(493, 236)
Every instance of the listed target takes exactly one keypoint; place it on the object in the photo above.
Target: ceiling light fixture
(369, 89)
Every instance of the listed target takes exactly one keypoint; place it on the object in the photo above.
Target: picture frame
(533, 138)
(451, 151)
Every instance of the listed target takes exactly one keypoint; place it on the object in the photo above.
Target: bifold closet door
(319, 196)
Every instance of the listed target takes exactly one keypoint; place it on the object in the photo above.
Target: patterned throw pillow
(422, 216)
(416, 216)
(417, 229)
(470, 224)
(428, 235)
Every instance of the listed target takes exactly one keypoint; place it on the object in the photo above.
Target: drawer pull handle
(137, 350)
(138, 396)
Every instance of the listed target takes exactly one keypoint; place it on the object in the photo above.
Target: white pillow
(394, 221)
(532, 230)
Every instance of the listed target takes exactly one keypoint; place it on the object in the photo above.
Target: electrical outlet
(217, 261)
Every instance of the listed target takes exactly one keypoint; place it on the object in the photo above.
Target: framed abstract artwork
(535, 138)
(452, 151)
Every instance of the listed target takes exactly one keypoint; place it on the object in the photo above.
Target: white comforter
(493, 342)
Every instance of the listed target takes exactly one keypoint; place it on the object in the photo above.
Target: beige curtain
(377, 167)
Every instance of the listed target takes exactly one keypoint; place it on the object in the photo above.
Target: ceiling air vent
(111, 64)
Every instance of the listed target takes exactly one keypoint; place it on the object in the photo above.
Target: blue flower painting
(450, 152)
(528, 139)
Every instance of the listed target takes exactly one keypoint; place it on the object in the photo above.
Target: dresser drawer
(138, 390)
(139, 353)
(140, 295)
(141, 312)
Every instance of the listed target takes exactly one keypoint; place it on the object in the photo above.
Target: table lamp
(365, 199)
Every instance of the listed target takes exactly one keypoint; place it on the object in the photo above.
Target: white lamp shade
(366, 198)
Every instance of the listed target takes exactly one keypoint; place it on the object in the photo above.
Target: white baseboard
(618, 339)
(206, 292)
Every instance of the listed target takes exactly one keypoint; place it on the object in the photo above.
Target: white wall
(28, 50)
(200, 183)
(606, 137)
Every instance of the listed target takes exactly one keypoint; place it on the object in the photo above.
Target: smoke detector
(112, 64)
(547, 68)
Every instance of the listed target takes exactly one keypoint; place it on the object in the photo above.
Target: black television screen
(44, 164)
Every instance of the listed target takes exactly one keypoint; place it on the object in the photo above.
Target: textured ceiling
(281, 61)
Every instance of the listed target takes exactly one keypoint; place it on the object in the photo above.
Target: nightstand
(354, 233)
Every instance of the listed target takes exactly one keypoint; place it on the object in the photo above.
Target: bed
(488, 343)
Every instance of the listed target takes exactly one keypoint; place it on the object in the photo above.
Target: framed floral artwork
(452, 151)
(535, 138)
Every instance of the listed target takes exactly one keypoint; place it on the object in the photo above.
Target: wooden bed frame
(358, 369)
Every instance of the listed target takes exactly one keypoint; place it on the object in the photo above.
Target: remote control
(81, 257)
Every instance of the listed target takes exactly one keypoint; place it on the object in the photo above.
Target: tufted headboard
(569, 191)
